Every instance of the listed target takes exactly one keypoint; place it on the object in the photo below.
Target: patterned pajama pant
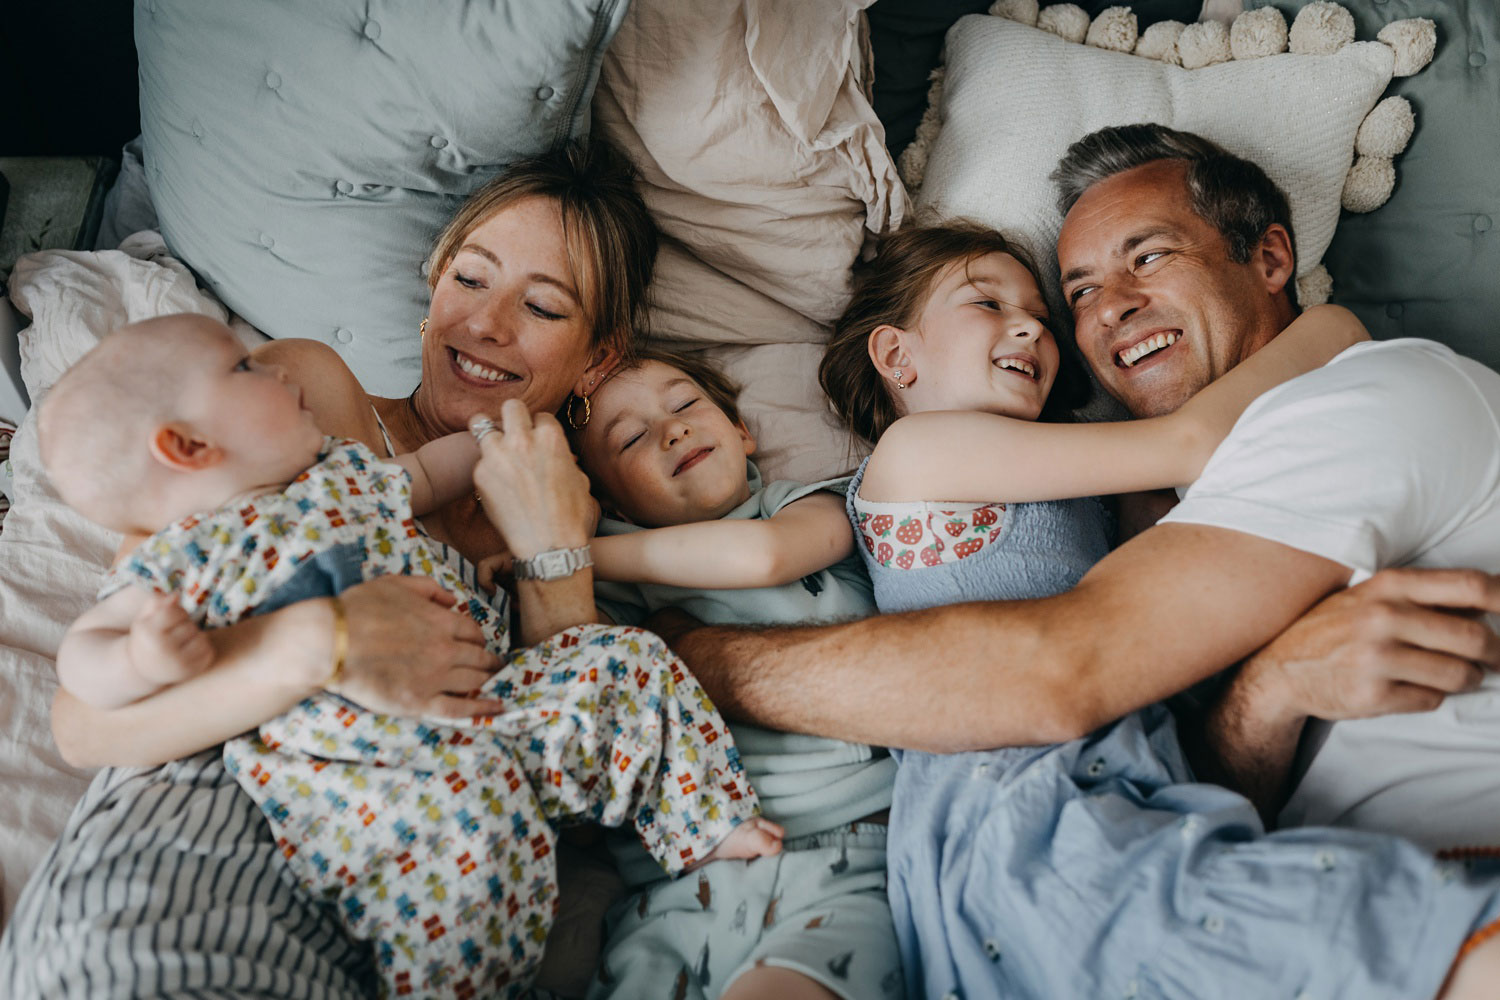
(435, 839)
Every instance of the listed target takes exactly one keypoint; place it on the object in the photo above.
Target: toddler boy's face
(660, 452)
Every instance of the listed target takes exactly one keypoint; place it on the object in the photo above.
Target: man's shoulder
(1384, 381)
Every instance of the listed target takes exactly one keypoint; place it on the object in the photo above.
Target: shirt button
(273, 79)
(1213, 923)
(544, 93)
(1394, 310)
(345, 187)
(437, 142)
(1096, 768)
(1482, 223)
(1477, 59)
(266, 241)
(343, 335)
(1326, 860)
(992, 949)
(372, 30)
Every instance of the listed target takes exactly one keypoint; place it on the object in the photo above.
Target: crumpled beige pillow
(766, 167)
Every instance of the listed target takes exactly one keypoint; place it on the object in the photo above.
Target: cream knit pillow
(1014, 97)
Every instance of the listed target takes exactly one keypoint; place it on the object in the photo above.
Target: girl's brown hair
(892, 289)
(610, 235)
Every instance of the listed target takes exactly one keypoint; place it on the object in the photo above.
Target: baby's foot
(754, 838)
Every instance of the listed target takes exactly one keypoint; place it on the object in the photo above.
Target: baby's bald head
(95, 425)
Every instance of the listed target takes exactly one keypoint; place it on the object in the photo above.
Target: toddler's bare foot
(754, 838)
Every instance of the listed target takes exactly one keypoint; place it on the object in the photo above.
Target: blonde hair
(893, 288)
(610, 236)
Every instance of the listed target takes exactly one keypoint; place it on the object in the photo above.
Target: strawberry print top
(924, 533)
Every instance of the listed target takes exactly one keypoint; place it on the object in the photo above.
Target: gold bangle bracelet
(340, 641)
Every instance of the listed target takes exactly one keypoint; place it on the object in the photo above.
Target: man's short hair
(1232, 194)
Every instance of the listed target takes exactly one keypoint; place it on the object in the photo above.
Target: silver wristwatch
(554, 564)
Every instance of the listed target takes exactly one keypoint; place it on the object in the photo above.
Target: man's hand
(166, 646)
(1402, 641)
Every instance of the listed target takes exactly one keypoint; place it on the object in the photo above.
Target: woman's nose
(491, 322)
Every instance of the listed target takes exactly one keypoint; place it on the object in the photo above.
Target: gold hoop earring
(422, 330)
(569, 410)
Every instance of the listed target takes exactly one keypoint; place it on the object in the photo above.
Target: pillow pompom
(1321, 28)
(1257, 33)
(1204, 44)
(1386, 129)
(1114, 29)
(1067, 21)
(1369, 184)
(1315, 287)
(1024, 11)
(1159, 42)
(1414, 40)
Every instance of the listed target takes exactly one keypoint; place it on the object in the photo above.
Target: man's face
(1159, 309)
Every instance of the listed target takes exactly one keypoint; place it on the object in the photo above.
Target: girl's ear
(603, 362)
(747, 438)
(887, 346)
(179, 449)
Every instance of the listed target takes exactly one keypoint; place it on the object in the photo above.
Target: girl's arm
(129, 645)
(803, 537)
(965, 456)
(441, 471)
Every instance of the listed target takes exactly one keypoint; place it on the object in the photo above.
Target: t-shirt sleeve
(1365, 462)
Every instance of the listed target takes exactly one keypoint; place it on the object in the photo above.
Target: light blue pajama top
(808, 784)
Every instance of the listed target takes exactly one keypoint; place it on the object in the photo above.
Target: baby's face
(249, 409)
(660, 452)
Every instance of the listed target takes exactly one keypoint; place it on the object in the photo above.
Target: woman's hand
(410, 653)
(532, 489)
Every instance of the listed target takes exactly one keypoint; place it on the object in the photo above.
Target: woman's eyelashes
(535, 308)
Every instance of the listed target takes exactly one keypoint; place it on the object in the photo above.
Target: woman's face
(507, 320)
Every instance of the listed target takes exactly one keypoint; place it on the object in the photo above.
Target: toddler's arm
(966, 456)
(129, 645)
(441, 471)
(803, 537)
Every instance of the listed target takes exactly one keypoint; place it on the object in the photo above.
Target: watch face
(553, 564)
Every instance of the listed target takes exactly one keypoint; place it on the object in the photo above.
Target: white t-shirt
(1387, 456)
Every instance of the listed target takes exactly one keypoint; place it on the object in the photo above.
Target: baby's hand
(495, 571)
(166, 646)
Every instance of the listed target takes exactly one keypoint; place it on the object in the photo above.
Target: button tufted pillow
(303, 156)
(1425, 264)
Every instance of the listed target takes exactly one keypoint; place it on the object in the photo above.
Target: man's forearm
(1251, 748)
(884, 680)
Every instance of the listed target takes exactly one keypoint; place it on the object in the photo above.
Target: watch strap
(554, 564)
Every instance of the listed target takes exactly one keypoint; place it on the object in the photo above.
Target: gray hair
(1232, 194)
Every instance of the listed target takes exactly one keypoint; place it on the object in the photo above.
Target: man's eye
(543, 313)
(988, 304)
(1079, 293)
(244, 364)
(1149, 257)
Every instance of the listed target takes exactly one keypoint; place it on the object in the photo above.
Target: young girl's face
(660, 452)
(982, 342)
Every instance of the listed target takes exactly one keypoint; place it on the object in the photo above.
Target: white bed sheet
(51, 559)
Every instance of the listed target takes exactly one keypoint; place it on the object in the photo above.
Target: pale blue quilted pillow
(302, 156)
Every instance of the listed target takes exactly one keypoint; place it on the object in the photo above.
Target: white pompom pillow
(1012, 97)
